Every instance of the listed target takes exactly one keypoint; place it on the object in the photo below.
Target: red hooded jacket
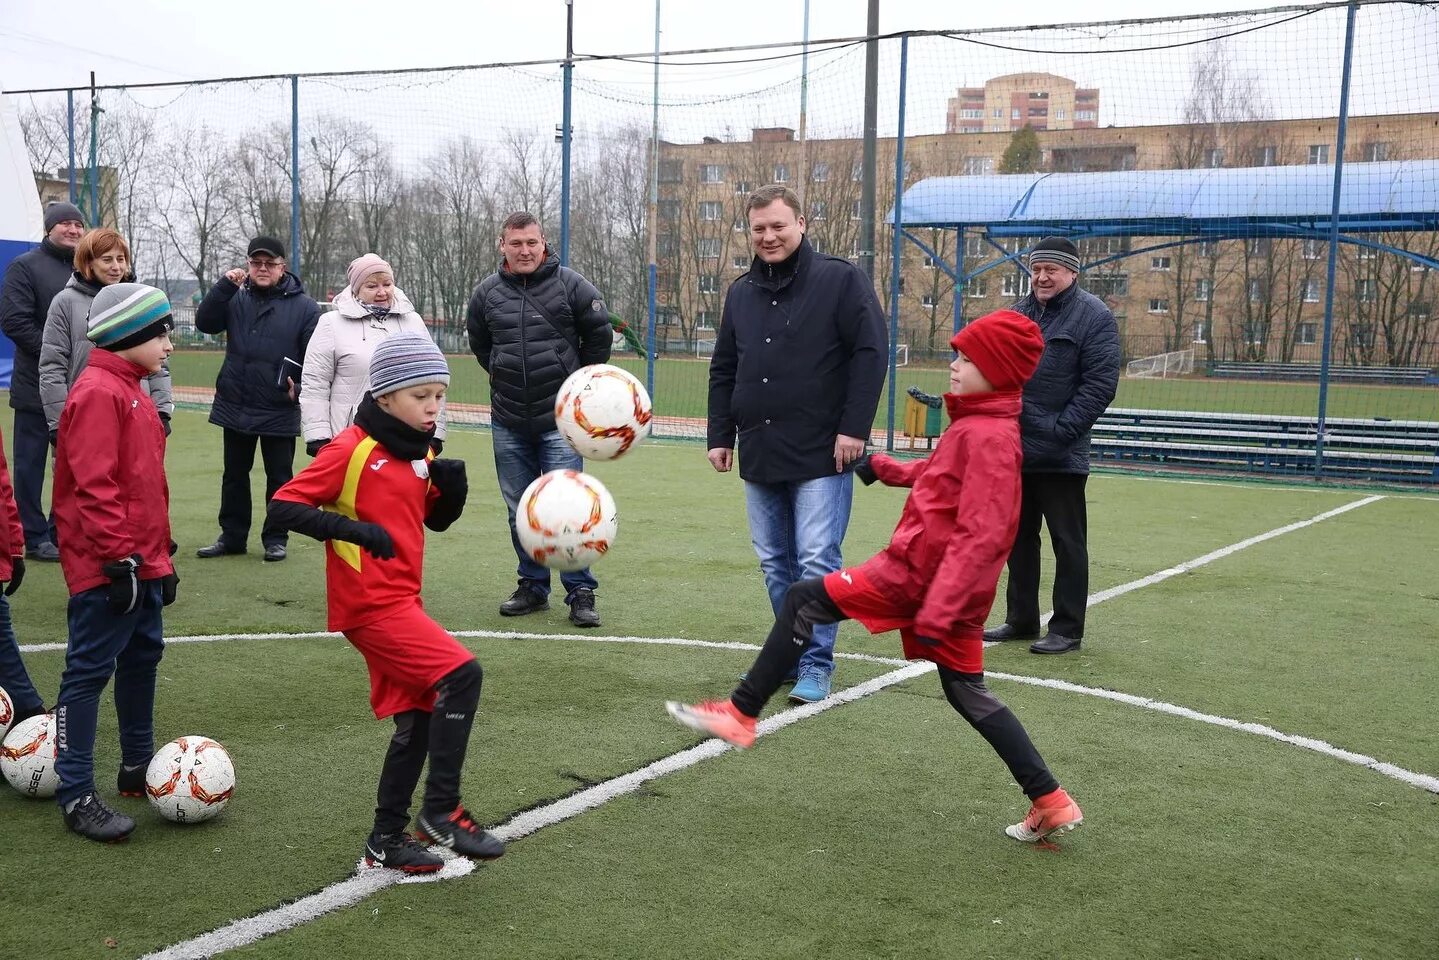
(957, 528)
(12, 535)
(111, 499)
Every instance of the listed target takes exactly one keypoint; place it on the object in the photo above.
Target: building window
(669, 209)
(781, 173)
(1014, 114)
(711, 210)
(1214, 157)
(1208, 248)
(1376, 152)
(1267, 156)
(740, 262)
(1366, 253)
(1110, 285)
(818, 245)
(928, 301)
(1365, 291)
(978, 166)
(855, 212)
(928, 263)
(711, 173)
(974, 246)
(1257, 291)
(1258, 246)
(709, 283)
(1362, 336)
(1158, 305)
(978, 288)
(1201, 331)
(705, 320)
(856, 171)
(817, 211)
(1253, 334)
(744, 187)
(1016, 287)
(1306, 333)
(708, 248)
(971, 114)
(998, 113)
(1085, 114)
(671, 171)
(1159, 263)
(741, 224)
(1313, 249)
(819, 173)
(1309, 289)
(666, 245)
(1203, 290)
(1060, 113)
(1319, 153)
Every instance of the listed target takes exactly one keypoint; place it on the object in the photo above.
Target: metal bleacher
(1257, 370)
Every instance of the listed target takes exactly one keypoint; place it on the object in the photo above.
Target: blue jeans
(797, 529)
(519, 461)
(103, 644)
(13, 676)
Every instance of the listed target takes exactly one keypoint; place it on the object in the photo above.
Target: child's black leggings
(443, 737)
(808, 605)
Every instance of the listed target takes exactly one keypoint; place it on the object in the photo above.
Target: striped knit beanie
(404, 360)
(125, 315)
(1055, 250)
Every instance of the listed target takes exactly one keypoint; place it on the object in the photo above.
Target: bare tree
(195, 210)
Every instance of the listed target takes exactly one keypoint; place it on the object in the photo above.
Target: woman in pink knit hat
(337, 363)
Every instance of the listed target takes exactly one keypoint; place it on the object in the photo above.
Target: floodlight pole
(804, 112)
(897, 240)
(1339, 138)
(70, 138)
(295, 174)
(94, 153)
(565, 134)
(653, 216)
(871, 125)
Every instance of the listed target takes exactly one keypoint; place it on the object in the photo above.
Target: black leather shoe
(1007, 631)
(217, 549)
(275, 552)
(1054, 643)
(582, 609)
(525, 599)
(93, 819)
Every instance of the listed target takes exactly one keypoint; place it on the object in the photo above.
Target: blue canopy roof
(1244, 201)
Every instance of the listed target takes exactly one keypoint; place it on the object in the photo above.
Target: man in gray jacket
(1075, 382)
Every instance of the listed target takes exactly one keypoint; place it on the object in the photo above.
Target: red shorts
(407, 653)
(859, 599)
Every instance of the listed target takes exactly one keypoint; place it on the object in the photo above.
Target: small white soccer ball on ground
(190, 780)
(27, 757)
(603, 411)
(7, 713)
(566, 520)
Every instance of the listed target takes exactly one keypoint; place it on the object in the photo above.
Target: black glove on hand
(372, 537)
(165, 422)
(450, 477)
(313, 447)
(124, 595)
(17, 575)
(54, 437)
(865, 470)
(173, 547)
(168, 586)
(437, 445)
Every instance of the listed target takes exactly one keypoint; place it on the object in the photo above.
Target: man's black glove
(864, 470)
(165, 422)
(372, 537)
(173, 547)
(437, 445)
(17, 575)
(168, 585)
(313, 447)
(124, 594)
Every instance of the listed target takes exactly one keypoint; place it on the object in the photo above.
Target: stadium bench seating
(1254, 370)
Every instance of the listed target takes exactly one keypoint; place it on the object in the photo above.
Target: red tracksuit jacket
(12, 535)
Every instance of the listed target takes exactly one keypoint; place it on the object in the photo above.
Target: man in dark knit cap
(31, 281)
(1075, 382)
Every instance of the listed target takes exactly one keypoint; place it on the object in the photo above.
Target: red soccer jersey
(358, 478)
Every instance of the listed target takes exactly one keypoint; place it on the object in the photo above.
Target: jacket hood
(288, 286)
(547, 269)
(349, 306)
(996, 403)
(89, 287)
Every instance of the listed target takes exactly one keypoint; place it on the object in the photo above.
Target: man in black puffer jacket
(31, 281)
(531, 324)
(1075, 382)
(267, 319)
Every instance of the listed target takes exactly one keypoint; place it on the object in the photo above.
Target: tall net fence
(1193, 161)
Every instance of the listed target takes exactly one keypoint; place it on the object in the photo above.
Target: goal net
(1176, 363)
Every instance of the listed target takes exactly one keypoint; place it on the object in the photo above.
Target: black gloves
(864, 470)
(124, 594)
(165, 422)
(168, 585)
(313, 447)
(437, 445)
(173, 547)
(54, 437)
(17, 575)
(449, 478)
(371, 536)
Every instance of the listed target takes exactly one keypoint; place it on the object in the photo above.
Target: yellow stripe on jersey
(345, 505)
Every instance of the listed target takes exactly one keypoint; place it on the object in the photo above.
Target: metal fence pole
(565, 134)
(897, 242)
(70, 138)
(1339, 136)
(653, 272)
(295, 173)
(94, 153)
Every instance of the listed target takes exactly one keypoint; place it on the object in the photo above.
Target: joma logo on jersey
(379, 463)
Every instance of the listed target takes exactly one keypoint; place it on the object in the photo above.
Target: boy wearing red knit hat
(935, 582)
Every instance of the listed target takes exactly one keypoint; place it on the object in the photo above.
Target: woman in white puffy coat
(337, 362)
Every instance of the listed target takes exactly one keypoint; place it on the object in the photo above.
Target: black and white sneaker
(93, 819)
(400, 851)
(459, 832)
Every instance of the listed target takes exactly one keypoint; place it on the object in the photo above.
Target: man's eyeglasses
(265, 264)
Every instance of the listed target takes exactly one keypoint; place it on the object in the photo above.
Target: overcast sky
(45, 43)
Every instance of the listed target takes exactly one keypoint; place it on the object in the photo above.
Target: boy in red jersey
(368, 494)
(935, 581)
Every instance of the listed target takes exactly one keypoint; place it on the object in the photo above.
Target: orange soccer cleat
(717, 718)
(1055, 812)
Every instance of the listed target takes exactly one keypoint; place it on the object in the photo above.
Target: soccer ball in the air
(602, 411)
(28, 757)
(566, 520)
(7, 713)
(190, 780)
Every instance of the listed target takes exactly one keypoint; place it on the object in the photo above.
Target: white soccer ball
(27, 757)
(603, 411)
(7, 713)
(566, 520)
(190, 780)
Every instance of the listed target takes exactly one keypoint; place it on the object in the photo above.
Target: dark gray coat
(1075, 382)
(31, 281)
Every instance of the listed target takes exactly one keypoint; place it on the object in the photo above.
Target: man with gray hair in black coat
(1076, 380)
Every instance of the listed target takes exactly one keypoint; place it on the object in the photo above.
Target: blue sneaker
(812, 686)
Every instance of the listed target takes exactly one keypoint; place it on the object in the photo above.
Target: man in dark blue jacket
(31, 281)
(1075, 382)
(798, 365)
(267, 319)
(532, 324)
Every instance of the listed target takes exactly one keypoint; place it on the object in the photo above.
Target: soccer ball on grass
(27, 757)
(190, 780)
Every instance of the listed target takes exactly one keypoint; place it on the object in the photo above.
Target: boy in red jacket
(935, 581)
(376, 486)
(112, 511)
(14, 679)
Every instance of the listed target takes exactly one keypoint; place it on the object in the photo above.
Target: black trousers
(30, 444)
(808, 604)
(1056, 499)
(278, 454)
(443, 738)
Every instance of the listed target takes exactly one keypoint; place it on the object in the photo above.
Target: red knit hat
(1004, 345)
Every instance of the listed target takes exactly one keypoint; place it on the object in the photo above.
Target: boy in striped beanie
(369, 494)
(112, 511)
